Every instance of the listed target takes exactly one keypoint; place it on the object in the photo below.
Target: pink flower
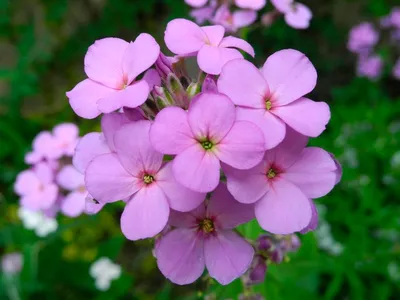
(36, 187)
(71, 180)
(204, 238)
(112, 66)
(296, 15)
(196, 3)
(202, 137)
(251, 4)
(282, 184)
(274, 96)
(362, 38)
(396, 69)
(203, 14)
(369, 66)
(234, 21)
(184, 37)
(136, 172)
(12, 263)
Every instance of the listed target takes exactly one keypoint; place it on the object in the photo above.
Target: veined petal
(234, 42)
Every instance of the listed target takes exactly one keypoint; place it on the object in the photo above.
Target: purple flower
(112, 66)
(202, 137)
(36, 187)
(296, 15)
(369, 66)
(136, 172)
(362, 38)
(204, 238)
(283, 184)
(186, 38)
(234, 21)
(274, 96)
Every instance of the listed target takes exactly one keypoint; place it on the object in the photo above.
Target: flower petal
(284, 209)
(244, 18)
(139, 56)
(196, 3)
(146, 214)
(299, 16)
(91, 145)
(187, 219)
(179, 197)
(110, 123)
(214, 33)
(243, 83)
(226, 211)
(170, 133)
(227, 256)
(314, 219)
(152, 78)
(234, 42)
(69, 178)
(180, 256)
(73, 204)
(136, 154)
(197, 169)
(103, 62)
(252, 4)
(92, 207)
(290, 75)
(108, 181)
(184, 37)
(211, 59)
(211, 116)
(26, 183)
(84, 96)
(305, 116)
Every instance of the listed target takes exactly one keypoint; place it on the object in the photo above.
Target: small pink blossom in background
(185, 38)
(274, 96)
(232, 22)
(391, 20)
(135, 172)
(362, 38)
(204, 238)
(282, 185)
(112, 66)
(369, 66)
(296, 14)
(36, 187)
(11, 263)
(251, 4)
(202, 137)
(196, 3)
(396, 69)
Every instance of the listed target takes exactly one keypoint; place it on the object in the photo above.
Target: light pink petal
(196, 3)
(84, 96)
(108, 181)
(187, 219)
(242, 147)
(132, 96)
(244, 18)
(273, 128)
(243, 83)
(247, 186)
(91, 145)
(137, 155)
(42, 199)
(66, 132)
(92, 206)
(146, 214)
(110, 123)
(299, 16)
(215, 34)
(69, 178)
(184, 37)
(227, 256)
(73, 204)
(282, 5)
(251, 4)
(139, 56)
(234, 42)
(305, 116)
(103, 62)
(314, 172)
(180, 256)
(33, 158)
(226, 211)
(211, 116)
(314, 219)
(152, 78)
(179, 197)
(197, 169)
(284, 209)
(26, 183)
(290, 75)
(44, 172)
(170, 132)
(201, 15)
(211, 59)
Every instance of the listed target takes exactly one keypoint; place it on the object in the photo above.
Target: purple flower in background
(251, 4)
(234, 21)
(11, 263)
(296, 14)
(396, 69)
(186, 38)
(369, 66)
(136, 172)
(202, 137)
(196, 3)
(362, 38)
(204, 238)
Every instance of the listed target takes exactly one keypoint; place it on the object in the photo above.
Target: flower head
(370, 66)
(104, 271)
(362, 38)
(37, 221)
(234, 21)
(204, 238)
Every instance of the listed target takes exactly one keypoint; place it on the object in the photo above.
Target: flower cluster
(104, 271)
(365, 39)
(167, 140)
(237, 14)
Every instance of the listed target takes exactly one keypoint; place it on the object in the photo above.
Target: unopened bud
(209, 85)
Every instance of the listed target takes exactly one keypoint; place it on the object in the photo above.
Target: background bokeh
(355, 253)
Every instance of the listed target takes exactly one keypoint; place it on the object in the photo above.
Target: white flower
(37, 221)
(104, 271)
(11, 263)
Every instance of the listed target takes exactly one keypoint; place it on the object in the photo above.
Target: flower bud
(264, 242)
(209, 85)
(164, 65)
(257, 270)
(277, 255)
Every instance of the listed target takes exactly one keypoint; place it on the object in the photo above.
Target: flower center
(147, 179)
(268, 104)
(207, 145)
(206, 225)
(271, 173)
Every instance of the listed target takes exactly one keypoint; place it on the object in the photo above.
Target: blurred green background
(42, 46)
